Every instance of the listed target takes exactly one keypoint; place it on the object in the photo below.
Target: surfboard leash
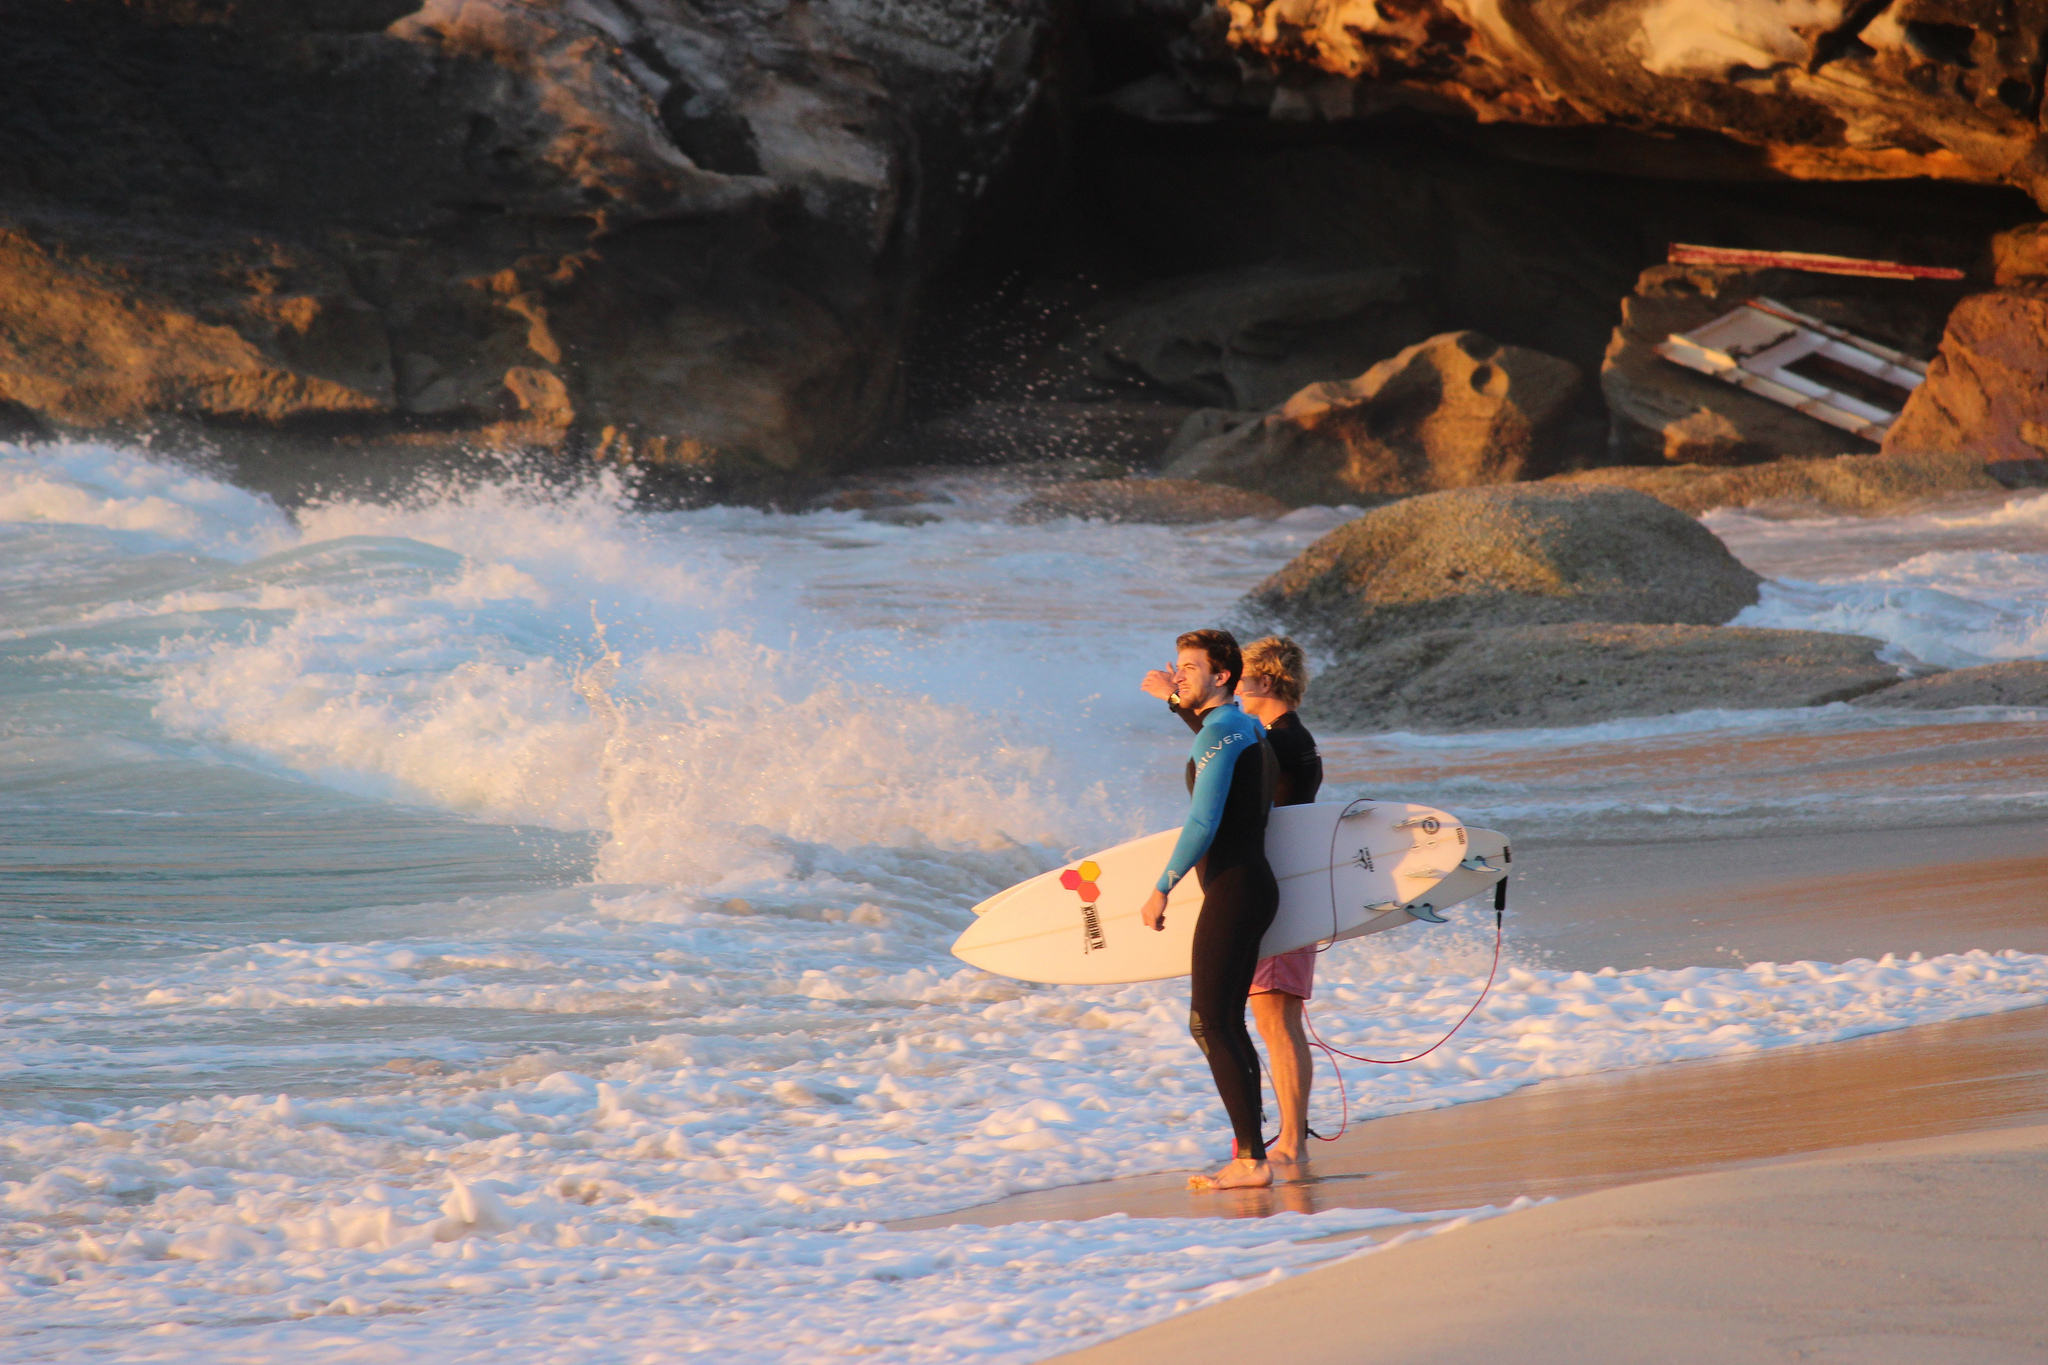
(1500, 905)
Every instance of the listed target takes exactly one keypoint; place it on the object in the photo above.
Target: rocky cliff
(685, 234)
(1808, 89)
(704, 237)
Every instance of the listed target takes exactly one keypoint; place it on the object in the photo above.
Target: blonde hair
(1279, 659)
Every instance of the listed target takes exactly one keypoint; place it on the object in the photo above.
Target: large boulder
(1987, 389)
(1867, 485)
(1249, 339)
(662, 231)
(1454, 411)
(1944, 89)
(2022, 682)
(1662, 412)
(1529, 676)
(1514, 555)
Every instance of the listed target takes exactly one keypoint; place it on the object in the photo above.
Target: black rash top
(1301, 767)
(1299, 774)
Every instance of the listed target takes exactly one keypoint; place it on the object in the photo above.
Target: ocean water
(503, 924)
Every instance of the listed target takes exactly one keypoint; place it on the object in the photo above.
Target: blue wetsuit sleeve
(1215, 761)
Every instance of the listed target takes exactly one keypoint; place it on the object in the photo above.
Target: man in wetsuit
(1275, 675)
(1224, 844)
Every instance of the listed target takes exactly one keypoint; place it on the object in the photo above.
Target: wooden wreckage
(1800, 361)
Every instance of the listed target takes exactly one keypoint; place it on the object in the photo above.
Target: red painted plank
(1683, 254)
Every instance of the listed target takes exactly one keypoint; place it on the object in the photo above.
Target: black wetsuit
(1239, 898)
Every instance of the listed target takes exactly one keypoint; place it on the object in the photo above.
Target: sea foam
(706, 794)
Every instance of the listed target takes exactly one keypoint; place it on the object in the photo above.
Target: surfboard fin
(1426, 912)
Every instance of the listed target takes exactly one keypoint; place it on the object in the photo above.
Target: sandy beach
(1910, 1253)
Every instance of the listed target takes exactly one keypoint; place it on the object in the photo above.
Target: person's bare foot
(1286, 1156)
(1242, 1173)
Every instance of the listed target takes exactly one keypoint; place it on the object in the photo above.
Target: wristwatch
(1173, 702)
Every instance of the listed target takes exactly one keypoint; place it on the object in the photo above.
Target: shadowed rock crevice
(1187, 258)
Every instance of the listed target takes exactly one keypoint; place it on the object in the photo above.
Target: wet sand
(1923, 1253)
(1783, 898)
(1586, 1133)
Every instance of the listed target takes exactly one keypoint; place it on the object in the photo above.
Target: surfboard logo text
(1092, 940)
(1364, 859)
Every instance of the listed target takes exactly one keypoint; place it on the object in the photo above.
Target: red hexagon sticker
(1082, 880)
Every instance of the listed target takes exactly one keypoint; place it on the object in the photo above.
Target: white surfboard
(1344, 868)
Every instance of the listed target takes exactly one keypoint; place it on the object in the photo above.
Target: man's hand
(1158, 683)
(1154, 910)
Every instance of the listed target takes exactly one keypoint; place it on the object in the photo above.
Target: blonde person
(1275, 676)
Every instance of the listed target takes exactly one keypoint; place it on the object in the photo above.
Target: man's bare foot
(1286, 1156)
(1242, 1173)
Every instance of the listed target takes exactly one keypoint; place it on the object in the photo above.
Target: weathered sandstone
(1986, 391)
(1827, 89)
(1867, 485)
(1511, 555)
(1528, 676)
(2023, 682)
(689, 235)
(1454, 411)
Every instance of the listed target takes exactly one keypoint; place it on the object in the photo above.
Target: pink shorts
(1289, 973)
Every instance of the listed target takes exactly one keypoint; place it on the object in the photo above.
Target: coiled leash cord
(1500, 905)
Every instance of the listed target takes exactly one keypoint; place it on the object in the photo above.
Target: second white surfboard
(1344, 868)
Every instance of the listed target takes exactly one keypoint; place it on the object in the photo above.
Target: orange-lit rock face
(1823, 89)
(680, 234)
